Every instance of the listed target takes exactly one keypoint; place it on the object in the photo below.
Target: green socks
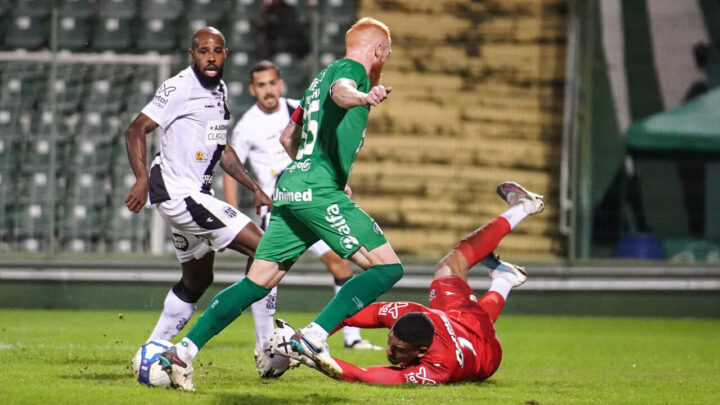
(360, 291)
(224, 308)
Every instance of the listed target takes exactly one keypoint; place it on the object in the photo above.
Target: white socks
(263, 311)
(514, 215)
(351, 334)
(173, 318)
(186, 350)
(501, 286)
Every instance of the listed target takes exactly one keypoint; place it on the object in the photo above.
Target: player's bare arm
(234, 167)
(346, 95)
(136, 146)
(290, 138)
(230, 190)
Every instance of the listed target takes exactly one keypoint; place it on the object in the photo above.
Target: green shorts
(340, 223)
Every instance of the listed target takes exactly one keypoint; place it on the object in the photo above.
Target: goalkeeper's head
(409, 338)
(207, 55)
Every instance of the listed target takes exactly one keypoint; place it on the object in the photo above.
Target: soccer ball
(146, 364)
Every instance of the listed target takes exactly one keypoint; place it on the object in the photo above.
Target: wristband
(297, 115)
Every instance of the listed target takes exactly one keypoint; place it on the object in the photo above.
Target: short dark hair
(414, 328)
(262, 66)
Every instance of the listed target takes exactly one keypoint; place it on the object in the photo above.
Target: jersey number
(309, 134)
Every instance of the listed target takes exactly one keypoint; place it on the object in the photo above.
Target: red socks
(492, 303)
(484, 240)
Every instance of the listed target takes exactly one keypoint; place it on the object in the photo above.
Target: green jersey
(331, 139)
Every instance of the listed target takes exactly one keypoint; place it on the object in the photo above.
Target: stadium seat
(26, 32)
(105, 95)
(245, 9)
(240, 36)
(211, 11)
(74, 33)
(22, 89)
(342, 11)
(112, 34)
(293, 74)
(161, 9)
(156, 35)
(117, 9)
(77, 8)
(332, 36)
(32, 8)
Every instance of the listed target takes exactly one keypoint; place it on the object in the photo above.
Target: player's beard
(208, 82)
(375, 74)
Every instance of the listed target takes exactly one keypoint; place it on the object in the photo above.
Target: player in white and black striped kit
(191, 110)
(256, 139)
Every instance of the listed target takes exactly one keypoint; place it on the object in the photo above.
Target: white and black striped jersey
(256, 138)
(194, 123)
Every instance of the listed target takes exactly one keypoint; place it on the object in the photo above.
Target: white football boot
(514, 193)
(179, 366)
(309, 342)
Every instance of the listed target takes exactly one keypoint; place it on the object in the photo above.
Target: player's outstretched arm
(136, 146)
(234, 167)
(386, 375)
(346, 95)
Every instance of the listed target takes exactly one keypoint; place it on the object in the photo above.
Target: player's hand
(377, 95)
(348, 190)
(137, 197)
(261, 199)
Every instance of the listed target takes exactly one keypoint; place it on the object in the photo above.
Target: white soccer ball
(146, 364)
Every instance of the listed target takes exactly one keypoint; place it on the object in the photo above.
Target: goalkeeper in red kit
(453, 339)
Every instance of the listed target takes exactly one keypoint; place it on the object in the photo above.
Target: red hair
(354, 35)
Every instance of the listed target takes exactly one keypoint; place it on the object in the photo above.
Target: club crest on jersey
(376, 228)
(180, 242)
(230, 212)
(201, 156)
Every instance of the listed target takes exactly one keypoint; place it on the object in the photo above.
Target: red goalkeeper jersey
(465, 346)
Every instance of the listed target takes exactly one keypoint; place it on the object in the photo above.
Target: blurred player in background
(192, 113)
(256, 139)
(323, 137)
(454, 339)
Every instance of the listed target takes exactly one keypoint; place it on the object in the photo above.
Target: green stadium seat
(293, 74)
(32, 8)
(77, 8)
(26, 32)
(341, 11)
(156, 35)
(112, 34)
(118, 9)
(74, 33)
(240, 36)
(245, 9)
(22, 90)
(161, 9)
(211, 11)
(105, 95)
(332, 37)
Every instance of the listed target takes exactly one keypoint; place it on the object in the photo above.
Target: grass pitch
(82, 357)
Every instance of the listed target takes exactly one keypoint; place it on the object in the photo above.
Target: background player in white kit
(191, 109)
(256, 138)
